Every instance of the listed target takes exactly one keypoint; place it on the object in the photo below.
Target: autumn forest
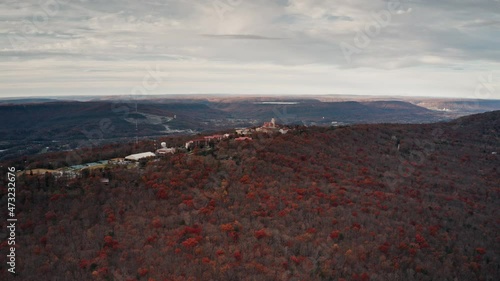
(317, 203)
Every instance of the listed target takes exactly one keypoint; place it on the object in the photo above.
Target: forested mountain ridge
(337, 203)
(34, 126)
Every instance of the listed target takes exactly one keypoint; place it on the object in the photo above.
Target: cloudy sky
(446, 48)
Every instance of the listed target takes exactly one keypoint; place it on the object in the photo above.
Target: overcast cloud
(445, 48)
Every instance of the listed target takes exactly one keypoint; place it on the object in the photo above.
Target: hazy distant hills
(26, 100)
(321, 113)
(460, 107)
(34, 125)
(71, 120)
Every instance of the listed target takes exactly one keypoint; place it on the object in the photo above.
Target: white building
(139, 156)
(165, 150)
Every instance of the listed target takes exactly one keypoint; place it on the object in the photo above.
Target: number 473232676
(11, 176)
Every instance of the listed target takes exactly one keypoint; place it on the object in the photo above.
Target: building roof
(244, 131)
(36, 172)
(78, 167)
(165, 150)
(138, 156)
(98, 164)
(117, 159)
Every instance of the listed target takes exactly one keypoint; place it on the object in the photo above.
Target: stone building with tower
(164, 150)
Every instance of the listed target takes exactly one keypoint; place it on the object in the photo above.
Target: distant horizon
(243, 96)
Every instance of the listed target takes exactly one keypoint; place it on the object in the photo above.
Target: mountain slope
(307, 111)
(314, 204)
(71, 120)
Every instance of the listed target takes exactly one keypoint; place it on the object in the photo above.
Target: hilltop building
(164, 150)
(271, 124)
(196, 142)
(36, 172)
(271, 127)
(118, 161)
(244, 131)
(268, 127)
(139, 156)
(205, 141)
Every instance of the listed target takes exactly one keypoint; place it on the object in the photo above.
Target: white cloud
(288, 46)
